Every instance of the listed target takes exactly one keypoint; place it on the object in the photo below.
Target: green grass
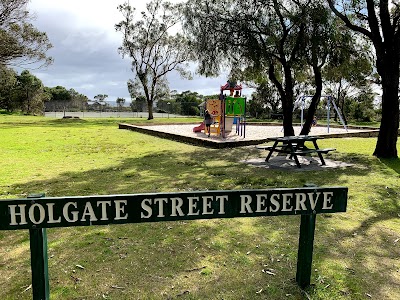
(356, 253)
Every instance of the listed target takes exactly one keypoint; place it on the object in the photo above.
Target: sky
(85, 51)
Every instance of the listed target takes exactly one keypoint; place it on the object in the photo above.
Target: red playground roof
(227, 86)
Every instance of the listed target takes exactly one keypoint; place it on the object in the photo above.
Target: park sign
(48, 212)
(37, 213)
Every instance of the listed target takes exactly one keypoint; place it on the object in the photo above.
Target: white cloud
(85, 49)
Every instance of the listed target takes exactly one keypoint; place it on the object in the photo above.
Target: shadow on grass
(204, 169)
(190, 260)
(363, 258)
(392, 163)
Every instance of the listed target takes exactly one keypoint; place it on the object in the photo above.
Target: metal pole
(339, 114)
(305, 252)
(39, 261)
(302, 111)
(329, 109)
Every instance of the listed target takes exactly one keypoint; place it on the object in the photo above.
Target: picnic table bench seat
(294, 146)
(309, 151)
(285, 149)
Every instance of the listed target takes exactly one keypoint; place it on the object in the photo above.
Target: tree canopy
(20, 42)
(378, 21)
(290, 38)
(154, 51)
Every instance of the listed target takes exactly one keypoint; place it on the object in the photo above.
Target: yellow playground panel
(214, 107)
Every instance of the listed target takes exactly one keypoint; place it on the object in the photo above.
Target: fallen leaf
(28, 288)
(117, 287)
(268, 272)
(183, 293)
(196, 269)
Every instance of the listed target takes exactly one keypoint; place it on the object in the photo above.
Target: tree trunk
(388, 69)
(388, 131)
(314, 102)
(287, 107)
(150, 109)
(288, 102)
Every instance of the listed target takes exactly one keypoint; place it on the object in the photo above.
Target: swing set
(300, 103)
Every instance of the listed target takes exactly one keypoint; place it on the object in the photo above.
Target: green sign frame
(37, 213)
(49, 212)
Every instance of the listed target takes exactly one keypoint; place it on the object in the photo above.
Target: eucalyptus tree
(153, 49)
(159, 92)
(326, 43)
(120, 102)
(349, 73)
(378, 21)
(20, 42)
(265, 35)
(101, 98)
(78, 100)
(264, 100)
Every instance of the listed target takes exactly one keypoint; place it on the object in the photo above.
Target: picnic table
(295, 146)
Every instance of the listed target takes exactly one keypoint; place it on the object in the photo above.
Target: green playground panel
(235, 106)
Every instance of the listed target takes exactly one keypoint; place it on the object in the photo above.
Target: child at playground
(314, 121)
(207, 121)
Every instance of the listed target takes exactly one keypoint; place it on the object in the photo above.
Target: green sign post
(39, 213)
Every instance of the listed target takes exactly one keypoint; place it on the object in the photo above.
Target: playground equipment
(300, 103)
(199, 128)
(227, 111)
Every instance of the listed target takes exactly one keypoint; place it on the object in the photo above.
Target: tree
(379, 22)
(101, 97)
(78, 100)
(138, 104)
(324, 40)
(347, 74)
(31, 93)
(8, 84)
(101, 100)
(120, 102)
(60, 98)
(361, 107)
(264, 100)
(59, 93)
(264, 34)
(136, 90)
(189, 102)
(153, 50)
(20, 42)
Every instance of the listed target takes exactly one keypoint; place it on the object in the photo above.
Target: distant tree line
(26, 93)
(187, 103)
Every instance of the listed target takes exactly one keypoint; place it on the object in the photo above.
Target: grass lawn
(356, 254)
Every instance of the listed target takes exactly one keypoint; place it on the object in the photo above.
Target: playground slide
(199, 128)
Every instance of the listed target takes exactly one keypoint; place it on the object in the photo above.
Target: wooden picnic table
(295, 146)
